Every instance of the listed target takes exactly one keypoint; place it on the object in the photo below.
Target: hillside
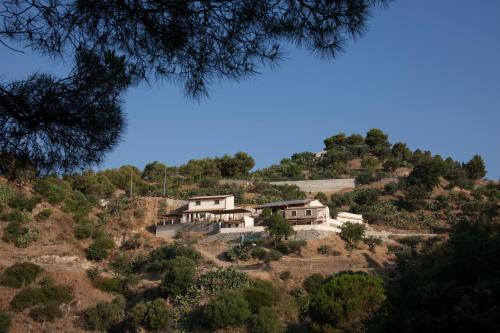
(78, 252)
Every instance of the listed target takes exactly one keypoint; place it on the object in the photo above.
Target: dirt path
(212, 257)
(54, 263)
(384, 235)
(251, 270)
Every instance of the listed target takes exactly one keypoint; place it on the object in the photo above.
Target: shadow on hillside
(376, 266)
(151, 229)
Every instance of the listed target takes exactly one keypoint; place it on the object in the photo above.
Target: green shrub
(278, 228)
(21, 202)
(285, 275)
(44, 215)
(282, 247)
(20, 274)
(372, 242)
(111, 285)
(410, 241)
(296, 246)
(53, 189)
(27, 238)
(392, 164)
(5, 322)
(324, 249)
(266, 321)
(15, 216)
(12, 231)
(6, 192)
(93, 273)
(238, 253)
(259, 295)
(159, 258)
(84, 230)
(100, 248)
(259, 253)
(153, 316)
(365, 177)
(133, 243)
(214, 281)
(91, 184)
(345, 300)
(229, 308)
(104, 314)
(104, 217)
(77, 204)
(48, 312)
(178, 276)
(352, 233)
(272, 255)
(313, 282)
(41, 295)
(370, 163)
(391, 188)
(366, 197)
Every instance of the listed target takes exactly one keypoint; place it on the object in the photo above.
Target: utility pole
(165, 182)
(131, 182)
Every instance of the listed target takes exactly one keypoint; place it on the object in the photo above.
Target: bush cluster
(251, 305)
(22, 202)
(352, 233)
(240, 252)
(5, 322)
(44, 215)
(100, 248)
(104, 314)
(49, 293)
(158, 259)
(20, 274)
(229, 308)
(178, 276)
(344, 301)
(27, 238)
(153, 316)
(47, 312)
(53, 189)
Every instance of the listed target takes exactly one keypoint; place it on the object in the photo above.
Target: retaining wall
(322, 185)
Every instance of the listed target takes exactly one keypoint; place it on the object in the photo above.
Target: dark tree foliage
(236, 166)
(62, 124)
(451, 287)
(195, 42)
(475, 168)
(344, 301)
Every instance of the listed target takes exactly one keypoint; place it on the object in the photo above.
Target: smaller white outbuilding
(345, 217)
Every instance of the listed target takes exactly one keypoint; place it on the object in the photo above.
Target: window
(217, 202)
(308, 212)
(197, 203)
(294, 213)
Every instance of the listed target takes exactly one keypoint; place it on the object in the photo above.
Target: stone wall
(323, 185)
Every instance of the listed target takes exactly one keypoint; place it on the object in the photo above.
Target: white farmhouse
(214, 208)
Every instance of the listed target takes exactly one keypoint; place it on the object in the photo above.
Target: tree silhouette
(62, 124)
(76, 120)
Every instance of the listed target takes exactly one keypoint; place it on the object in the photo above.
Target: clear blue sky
(427, 73)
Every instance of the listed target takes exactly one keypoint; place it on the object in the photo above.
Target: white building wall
(224, 203)
(229, 202)
(249, 221)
